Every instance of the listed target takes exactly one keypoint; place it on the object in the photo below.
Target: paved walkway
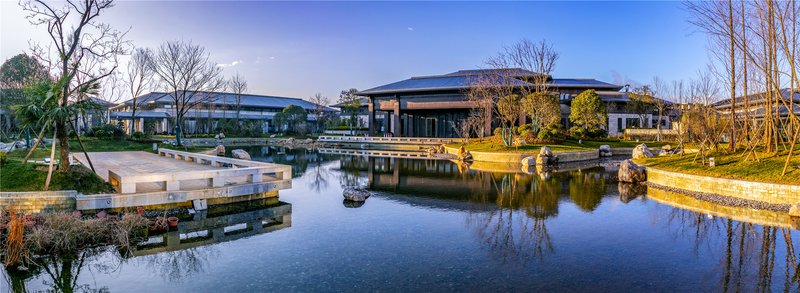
(147, 163)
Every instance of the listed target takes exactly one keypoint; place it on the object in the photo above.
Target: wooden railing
(126, 181)
(391, 140)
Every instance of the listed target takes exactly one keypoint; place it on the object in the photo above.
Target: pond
(436, 226)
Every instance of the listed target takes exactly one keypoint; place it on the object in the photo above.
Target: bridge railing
(388, 140)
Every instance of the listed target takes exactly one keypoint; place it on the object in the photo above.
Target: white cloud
(272, 58)
(234, 63)
(411, 29)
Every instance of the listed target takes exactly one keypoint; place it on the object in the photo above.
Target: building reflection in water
(508, 213)
(176, 255)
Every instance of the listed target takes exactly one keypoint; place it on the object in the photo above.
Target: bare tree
(320, 104)
(76, 36)
(659, 89)
(189, 77)
(139, 77)
(239, 86)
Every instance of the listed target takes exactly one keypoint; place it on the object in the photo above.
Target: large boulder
(220, 150)
(605, 150)
(641, 151)
(545, 151)
(355, 194)
(528, 161)
(631, 172)
(794, 210)
(241, 154)
(630, 191)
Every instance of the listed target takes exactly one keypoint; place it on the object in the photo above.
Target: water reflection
(571, 229)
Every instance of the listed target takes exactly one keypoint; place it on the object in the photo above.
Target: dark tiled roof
(219, 98)
(582, 83)
(140, 114)
(197, 115)
(436, 83)
(461, 80)
(756, 99)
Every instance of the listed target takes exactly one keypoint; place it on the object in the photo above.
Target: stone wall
(516, 158)
(741, 214)
(39, 201)
(765, 192)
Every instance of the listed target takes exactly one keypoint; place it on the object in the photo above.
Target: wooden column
(371, 116)
(396, 117)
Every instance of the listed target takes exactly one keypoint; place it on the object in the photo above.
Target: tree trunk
(50, 167)
(36, 144)
(63, 143)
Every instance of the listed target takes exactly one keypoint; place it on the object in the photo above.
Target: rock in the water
(542, 160)
(545, 151)
(241, 154)
(631, 172)
(528, 161)
(352, 204)
(605, 151)
(641, 151)
(355, 194)
(220, 150)
(629, 191)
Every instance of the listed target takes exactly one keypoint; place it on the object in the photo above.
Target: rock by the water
(631, 172)
(641, 151)
(528, 161)
(355, 194)
(794, 210)
(542, 160)
(220, 150)
(545, 151)
(605, 151)
(241, 154)
(666, 147)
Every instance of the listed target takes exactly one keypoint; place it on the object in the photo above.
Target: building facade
(156, 112)
(431, 106)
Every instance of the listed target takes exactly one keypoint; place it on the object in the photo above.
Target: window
(620, 125)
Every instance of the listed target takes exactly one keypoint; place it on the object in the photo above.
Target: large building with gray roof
(429, 106)
(157, 111)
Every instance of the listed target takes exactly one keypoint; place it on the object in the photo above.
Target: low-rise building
(429, 106)
(156, 112)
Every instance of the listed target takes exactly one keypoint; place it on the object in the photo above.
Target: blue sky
(300, 48)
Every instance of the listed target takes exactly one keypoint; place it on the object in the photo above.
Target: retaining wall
(516, 158)
(760, 191)
(39, 201)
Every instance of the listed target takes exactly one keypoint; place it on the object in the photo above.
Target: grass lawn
(569, 145)
(15, 176)
(99, 145)
(732, 166)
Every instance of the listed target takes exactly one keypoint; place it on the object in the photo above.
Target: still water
(435, 226)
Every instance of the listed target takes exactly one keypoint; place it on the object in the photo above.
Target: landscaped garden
(732, 165)
(568, 145)
(16, 176)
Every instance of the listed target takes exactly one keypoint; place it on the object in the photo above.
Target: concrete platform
(173, 177)
(147, 163)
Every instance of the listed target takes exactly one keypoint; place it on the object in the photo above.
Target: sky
(297, 49)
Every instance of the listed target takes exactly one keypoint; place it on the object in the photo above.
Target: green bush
(3, 158)
(139, 135)
(99, 133)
